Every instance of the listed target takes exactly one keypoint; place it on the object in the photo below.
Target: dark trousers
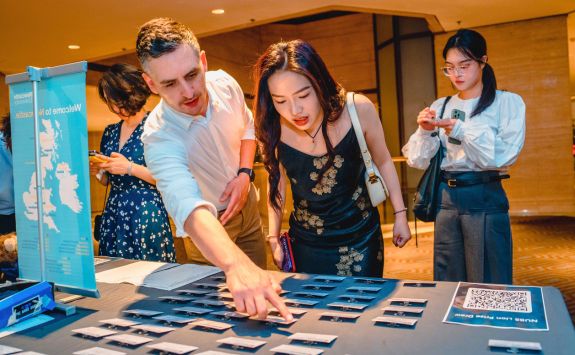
(473, 234)
(7, 223)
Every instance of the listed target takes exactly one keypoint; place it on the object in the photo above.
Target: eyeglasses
(456, 70)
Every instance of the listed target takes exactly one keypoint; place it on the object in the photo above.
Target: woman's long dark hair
(472, 45)
(5, 128)
(299, 57)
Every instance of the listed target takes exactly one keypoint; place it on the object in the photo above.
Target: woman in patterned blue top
(134, 223)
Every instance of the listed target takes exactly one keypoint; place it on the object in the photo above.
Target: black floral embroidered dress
(135, 223)
(334, 228)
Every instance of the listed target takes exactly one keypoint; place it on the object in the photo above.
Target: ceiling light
(73, 46)
(218, 11)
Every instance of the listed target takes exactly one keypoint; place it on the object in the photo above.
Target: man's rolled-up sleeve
(166, 159)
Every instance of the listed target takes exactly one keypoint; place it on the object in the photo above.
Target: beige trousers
(245, 230)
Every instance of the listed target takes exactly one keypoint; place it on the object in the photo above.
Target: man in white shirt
(199, 144)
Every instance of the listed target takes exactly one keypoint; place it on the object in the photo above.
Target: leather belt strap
(476, 180)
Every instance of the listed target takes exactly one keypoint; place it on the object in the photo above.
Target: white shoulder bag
(373, 180)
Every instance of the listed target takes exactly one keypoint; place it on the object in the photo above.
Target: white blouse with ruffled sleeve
(491, 140)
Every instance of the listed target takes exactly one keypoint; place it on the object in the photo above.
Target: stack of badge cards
(395, 314)
(142, 313)
(312, 338)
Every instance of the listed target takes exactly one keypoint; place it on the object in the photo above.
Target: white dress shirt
(491, 140)
(193, 158)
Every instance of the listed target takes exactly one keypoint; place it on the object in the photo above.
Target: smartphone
(458, 115)
(94, 158)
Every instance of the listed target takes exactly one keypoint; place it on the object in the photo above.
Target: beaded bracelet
(398, 212)
(129, 171)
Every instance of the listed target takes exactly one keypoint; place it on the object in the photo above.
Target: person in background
(200, 146)
(307, 137)
(7, 213)
(482, 132)
(135, 223)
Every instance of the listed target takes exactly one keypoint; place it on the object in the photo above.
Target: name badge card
(209, 303)
(176, 299)
(340, 316)
(98, 351)
(93, 332)
(319, 287)
(118, 322)
(368, 280)
(142, 312)
(193, 292)
(219, 278)
(356, 298)
(395, 321)
(296, 312)
(312, 338)
(205, 285)
(273, 320)
(212, 325)
(156, 329)
(515, 346)
(311, 294)
(419, 284)
(192, 310)
(364, 289)
(299, 303)
(128, 339)
(172, 348)
(348, 306)
(401, 311)
(229, 315)
(328, 279)
(241, 343)
(169, 319)
(296, 350)
(400, 301)
(221, 295)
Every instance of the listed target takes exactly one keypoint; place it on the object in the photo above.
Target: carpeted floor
(544, 255)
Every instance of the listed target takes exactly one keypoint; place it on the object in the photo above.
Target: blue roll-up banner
(63, 138)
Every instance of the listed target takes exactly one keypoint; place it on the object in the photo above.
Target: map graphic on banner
(63, 140)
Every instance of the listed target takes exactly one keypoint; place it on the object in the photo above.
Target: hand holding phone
(97, 157)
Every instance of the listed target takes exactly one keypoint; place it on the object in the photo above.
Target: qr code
(498, 300)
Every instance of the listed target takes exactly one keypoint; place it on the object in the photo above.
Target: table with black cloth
(429, 336)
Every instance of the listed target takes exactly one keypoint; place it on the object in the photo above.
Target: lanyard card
(369, 280)
(515, 346)
(211, 325)
(155, 329)
(296, 350)
(197, 293)
(170, 319)
(98, 351)
(328, 279)
(318, 287)
(227, 315)
(364, 289)
(128, 339)
(419, 284)
(142, 313)
(176, 299)
(311, 294)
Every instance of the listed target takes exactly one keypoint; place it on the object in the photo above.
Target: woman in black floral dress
(135, 222)
(334, 228)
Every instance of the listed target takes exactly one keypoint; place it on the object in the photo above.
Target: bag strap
(359, 134)
(444, 106)
(106, 193)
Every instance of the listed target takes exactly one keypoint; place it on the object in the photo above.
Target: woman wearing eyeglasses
(482, 132)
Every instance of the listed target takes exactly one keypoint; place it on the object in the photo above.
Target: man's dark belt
(471, 178)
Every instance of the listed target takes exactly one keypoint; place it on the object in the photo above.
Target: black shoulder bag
(98, 219)
(425, 201)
